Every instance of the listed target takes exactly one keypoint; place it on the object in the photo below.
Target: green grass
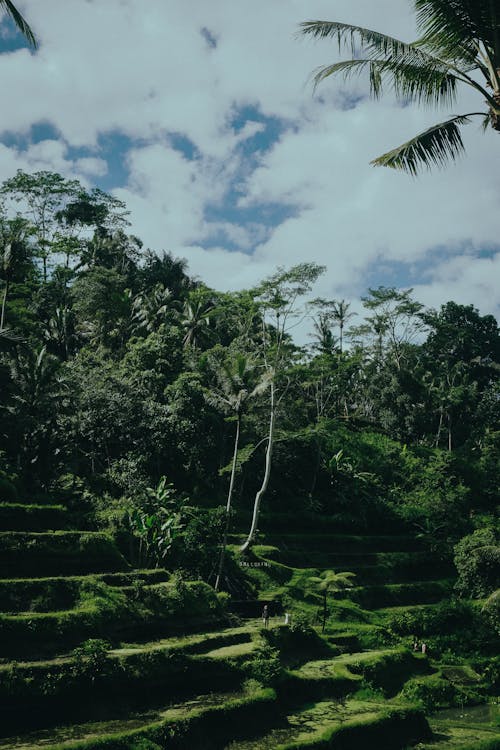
(41, 554)
(106, 612)
(19, 517)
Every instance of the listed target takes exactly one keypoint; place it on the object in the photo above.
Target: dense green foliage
(117, 370)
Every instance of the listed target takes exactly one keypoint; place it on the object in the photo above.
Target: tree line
(118, 368)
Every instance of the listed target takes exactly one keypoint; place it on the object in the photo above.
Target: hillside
(172, 461)
(98, 654)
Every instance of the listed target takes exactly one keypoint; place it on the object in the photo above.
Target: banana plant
(157, 523)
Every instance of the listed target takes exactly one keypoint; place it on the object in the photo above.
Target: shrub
(90, 659)
(8, 492)
(447, 617)
(430, 692)
(477, 559)
(264, 666)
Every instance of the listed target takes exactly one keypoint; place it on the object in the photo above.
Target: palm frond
(435, 146)
(356, 36)
(452, 28)
(409, 81)
(20, 21)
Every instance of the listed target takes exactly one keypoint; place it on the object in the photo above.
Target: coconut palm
(341, 314)
(324, 339)
(329, 582)
(19, 21)
(196, 319)
(151, 309)
(459, 44)
(236, 384)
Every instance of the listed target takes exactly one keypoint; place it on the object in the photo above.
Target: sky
(201, 116)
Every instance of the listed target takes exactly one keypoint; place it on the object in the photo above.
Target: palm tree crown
(459, 43)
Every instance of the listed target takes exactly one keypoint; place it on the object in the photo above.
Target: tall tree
(236, 383)
(14, 253)
(459, 43)
(278, 297)
(341, 314)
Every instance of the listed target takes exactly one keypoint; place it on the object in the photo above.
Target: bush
(430, 692)
(264, 666)
(477, 559)
(8, 492)
(90, 659)
(447, 617)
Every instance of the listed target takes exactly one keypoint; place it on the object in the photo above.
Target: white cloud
(149, 70)
(92, 167)
(466, 280)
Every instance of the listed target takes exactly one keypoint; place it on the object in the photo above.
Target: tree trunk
(4, 302)
(316, 471)
(267, 474)
(228, 504)
(438, 434)
(324, 613)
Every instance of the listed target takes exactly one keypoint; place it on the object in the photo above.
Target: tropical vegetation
(458, 45)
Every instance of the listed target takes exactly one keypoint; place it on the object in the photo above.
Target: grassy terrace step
(41, 694)
(89, 731)
(469, 728)
(371, 567)
(58, 593)
(339, 542)
(149, 688)
(400, 572)
(219, 721)
(197, 643)
(18, 517)
(378, 568)
(385, 668)
(25, 554)
(399, 594)
(308, 522)
(109, 613)
(349, 724)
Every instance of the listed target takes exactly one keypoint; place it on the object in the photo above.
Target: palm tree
(329, 582)
(234, 388)
(19, 21)
(151, 309)
(459, 44)
(341, 314)
(59, 332)
(196, 318)
(325, 340)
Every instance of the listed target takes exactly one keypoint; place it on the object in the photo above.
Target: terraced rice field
(175, 674)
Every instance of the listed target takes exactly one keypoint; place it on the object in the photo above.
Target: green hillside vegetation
(172, 461)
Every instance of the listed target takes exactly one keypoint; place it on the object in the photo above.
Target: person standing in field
(265, 616)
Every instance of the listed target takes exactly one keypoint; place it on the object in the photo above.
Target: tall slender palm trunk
(222, 555)
(4, 302)
(267, 473)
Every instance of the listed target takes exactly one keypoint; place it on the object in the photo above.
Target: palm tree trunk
(228, 504)
(316, 470)
(438, 434)
(267, 473)
(4, 301)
